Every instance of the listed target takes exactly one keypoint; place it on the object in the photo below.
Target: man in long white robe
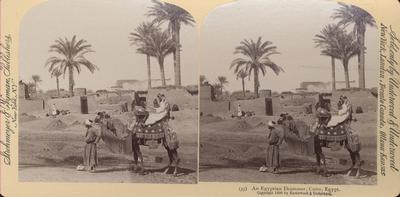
(160, 112)
(343, 113)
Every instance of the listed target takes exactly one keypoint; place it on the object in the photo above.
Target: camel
(168, 140)
(348, 140)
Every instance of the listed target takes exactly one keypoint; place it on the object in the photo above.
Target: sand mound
(241, 125)
(56, 125)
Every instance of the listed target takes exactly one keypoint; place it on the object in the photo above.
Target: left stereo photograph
(108, 92)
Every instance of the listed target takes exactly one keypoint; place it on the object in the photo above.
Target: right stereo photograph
(288, 93)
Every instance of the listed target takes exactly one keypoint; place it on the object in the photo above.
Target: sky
(291, 25)
(106, 25)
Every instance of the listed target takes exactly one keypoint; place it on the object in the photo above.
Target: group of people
(275, 137)
(94, 130)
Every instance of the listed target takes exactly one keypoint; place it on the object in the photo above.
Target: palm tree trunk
(244, 91)
(148, 72)
(333, 74)
(177, 57)
(346, 73)
(161, 63)
(256, 82)
(71, 81)
(58, 87)
(361, 59)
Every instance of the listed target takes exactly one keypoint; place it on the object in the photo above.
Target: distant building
(133, 84)
(315, 86)
(320, 86)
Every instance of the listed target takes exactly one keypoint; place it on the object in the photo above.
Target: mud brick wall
(73, 104)
(28, 106)
(217, 107)
(205, 92)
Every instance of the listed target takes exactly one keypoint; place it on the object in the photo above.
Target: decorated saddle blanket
(336, 134)
(150, 132)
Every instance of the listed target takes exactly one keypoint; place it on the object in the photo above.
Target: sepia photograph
(108, 92)
(288, 93)
(199, 98)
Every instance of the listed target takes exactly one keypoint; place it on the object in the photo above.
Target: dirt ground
(229, 154)
(51, 152)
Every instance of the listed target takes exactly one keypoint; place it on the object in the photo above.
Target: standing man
(274, 139)
(92, 137)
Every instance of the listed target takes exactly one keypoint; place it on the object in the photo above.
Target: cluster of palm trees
(336, 43)
(69, 57)
(151, 40)
(154, 41)
(255, 60)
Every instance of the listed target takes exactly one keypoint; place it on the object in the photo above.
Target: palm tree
(350, 14)
(175, 16)
(326, 40)
(242, 74)
(140, 38)
(222, 81)
(57, 73)
(70, 58)
(36, 79)
(161, 45)
(256, 59)
(345, 48)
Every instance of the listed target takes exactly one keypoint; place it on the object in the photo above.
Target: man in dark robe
(92, 137)
(274, 139)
